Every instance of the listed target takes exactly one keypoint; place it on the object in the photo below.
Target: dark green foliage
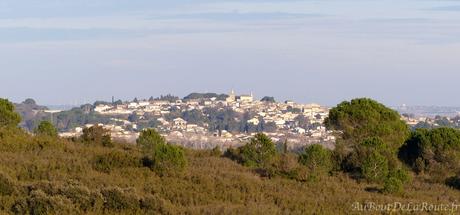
(401, 174)
(160, 156)
(364, 118)
(194, 117)
(258, 152)
(8, 117)
(220, 97)
(454, 182)
(393, 185)
(166, 159)
(78, 117)
(434, 152)
(148, 138)
(168, 97)
(268, 99)
(97, 135)
(375, 167)
(370, 136)
(233, 154)
(372, 160)
(46, 128)
(317, 159)
(293, 110)
(222, 119)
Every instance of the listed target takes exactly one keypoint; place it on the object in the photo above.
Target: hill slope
(42, 175)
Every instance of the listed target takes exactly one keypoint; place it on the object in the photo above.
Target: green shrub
(46, 128)
(113, 160)
(285, 165)
(375, 167)
(40, 203)
(81, 196)
(372, 160)
(392, 185)
(8, 117)
(317, 159)
(166, 159)
(258, 152)
(402, 174)
(148, 139)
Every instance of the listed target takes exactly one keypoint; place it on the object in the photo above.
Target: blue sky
(324, 51)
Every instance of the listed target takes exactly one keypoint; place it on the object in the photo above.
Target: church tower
(231, 97)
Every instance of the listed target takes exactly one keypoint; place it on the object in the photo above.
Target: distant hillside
(31, 113)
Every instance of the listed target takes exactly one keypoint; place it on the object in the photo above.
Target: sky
(321, 51)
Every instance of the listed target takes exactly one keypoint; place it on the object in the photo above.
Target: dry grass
(60, 176)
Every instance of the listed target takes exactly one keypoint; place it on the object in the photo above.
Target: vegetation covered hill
(44, 174)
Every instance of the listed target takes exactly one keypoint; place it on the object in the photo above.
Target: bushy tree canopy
(8, 117)
(166, 159)
(259, 151)
(160, 156)
(436, 151)
(148, 139)
(362, 118)
(268, 99)
(317, 159)
(371, 159)
(97, 135)
(46, 128)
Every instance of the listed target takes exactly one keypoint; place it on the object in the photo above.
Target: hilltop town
(210, 120)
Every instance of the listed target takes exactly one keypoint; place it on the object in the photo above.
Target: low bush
(115, 199)
(153, 204)
(81, 197)
(97, 135)
(46, 128)
(41, 203)
(113, 160)
(393, 185)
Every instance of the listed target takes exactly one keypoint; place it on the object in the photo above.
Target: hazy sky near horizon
(324, 51)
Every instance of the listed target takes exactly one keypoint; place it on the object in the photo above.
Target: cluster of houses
(431, 122)
(283, 115)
